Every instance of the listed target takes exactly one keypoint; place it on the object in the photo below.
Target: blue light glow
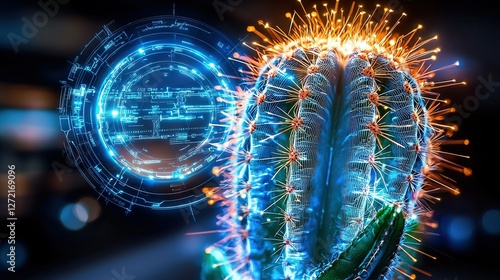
(147, 111)
(491, 222)
(160, 107)
(69, 218)
(36, 127)
(460, 231)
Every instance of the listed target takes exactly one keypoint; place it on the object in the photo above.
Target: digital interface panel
(142, 107)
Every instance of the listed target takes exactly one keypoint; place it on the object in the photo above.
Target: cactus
(335, 148)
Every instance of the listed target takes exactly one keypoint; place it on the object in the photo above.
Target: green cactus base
(372, 251)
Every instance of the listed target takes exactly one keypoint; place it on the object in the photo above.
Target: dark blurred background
(153, 245)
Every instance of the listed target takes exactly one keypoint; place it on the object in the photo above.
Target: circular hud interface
(141, 111)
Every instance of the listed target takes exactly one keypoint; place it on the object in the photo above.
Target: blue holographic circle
(141, 111)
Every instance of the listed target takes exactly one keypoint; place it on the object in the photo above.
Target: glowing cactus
(334, 149)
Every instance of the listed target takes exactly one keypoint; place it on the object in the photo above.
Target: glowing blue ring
(209, 106)
(141, 112)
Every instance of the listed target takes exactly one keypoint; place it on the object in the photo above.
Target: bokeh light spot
(81, 212)
(92, 207)
(460, 231)
(491, 221)
(69, 218)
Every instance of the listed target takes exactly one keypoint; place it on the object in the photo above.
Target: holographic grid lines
(141, 110)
